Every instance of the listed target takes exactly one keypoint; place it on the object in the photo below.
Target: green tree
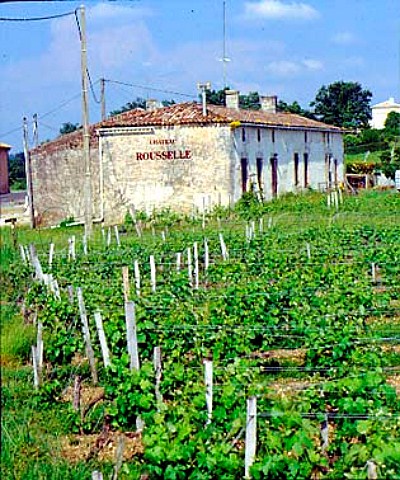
(295, 108)
(16, 169)
(390, 161)
(138, 103)
(392, 126)
(250, 101)
(68, 127)
(216, 97)
(344, 104)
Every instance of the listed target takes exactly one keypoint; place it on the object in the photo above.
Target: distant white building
(381, 110)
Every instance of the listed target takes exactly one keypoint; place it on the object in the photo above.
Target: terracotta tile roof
(191, 113)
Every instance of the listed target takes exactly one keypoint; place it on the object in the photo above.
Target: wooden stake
(163, 235)
(36, 263)
(51, 254)
(23, 255)
(251, 435)
(178, 261)
(36, 381)
(84, 243)
(117, 235)
(108, 237)
(153, 273)
(76, 400)
(190, 266)
(158, 373)
(39, 350)
(97, 475)
(261, 225)
(208, 380)
(137, 277)
(70, 290)
(119, 456)
(103, 234)
(206, 256)
(308, 250)
(196, 265)
(131, 335)
(125, 281)
(86, 335)
(224, 251)
(102, 338)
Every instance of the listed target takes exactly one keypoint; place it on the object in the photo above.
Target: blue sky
(284, 47)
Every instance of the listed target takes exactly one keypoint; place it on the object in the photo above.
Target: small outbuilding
(185, 158)
(4, 170)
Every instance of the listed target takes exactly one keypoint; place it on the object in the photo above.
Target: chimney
(152, 104)
(269, 103)
(232, 99)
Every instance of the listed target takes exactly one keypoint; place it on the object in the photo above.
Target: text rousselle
(165, 155)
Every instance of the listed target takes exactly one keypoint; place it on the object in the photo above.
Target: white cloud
(344, 38)
(277, 9)
(313, 64)
(283, 68)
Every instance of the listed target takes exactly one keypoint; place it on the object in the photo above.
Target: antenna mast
(224, 59)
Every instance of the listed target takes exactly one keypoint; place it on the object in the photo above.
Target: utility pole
(224, 58)
(86, 133)
(28, 174)
(103, 98)
(35, 130)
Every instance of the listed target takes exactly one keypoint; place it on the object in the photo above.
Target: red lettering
(139, 156)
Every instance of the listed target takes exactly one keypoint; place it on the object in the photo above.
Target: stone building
(380, 111)
(185, 158)
(4, 178)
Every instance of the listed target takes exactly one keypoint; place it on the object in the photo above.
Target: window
(258, 135)
(259, 162)
(328, 173)
(335, 163)
(273, 135)
(245, 173)
(243, 135)
(305, 137)
(274, 175)
(305, 158)
(296, 169)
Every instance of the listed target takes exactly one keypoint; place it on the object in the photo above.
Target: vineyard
(261, 341)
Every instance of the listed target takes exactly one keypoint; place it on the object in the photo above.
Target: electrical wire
(36, 19)
(171, 92)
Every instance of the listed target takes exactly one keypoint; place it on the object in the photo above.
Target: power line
(117, 82)
(36, 19)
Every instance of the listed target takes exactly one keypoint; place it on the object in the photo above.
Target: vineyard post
(224, 251)
(39, 350)
(153, 273)
(340, 196)
(108, 237)
(208, 380)
(131, 335)
(203, 222)
(196, 265)
(247, 233)
(103, 234)
(308, 250)
(158, 373)
(84, 243)
(325, 433)
(251, 435)
(137, 277)
(270, 222)
(117, 235)
(70, 290)
(28, 255)
(206, 256)
(328, 200)
(86, 335)
(55, 288)
(252, 229)
(36, 262)
(153, 231)
(373, 273)
(125, 281)
(76, 398)
(119, 456)
(102, 338)
(72, 252)
(190, 266)
(51, 254)
(163, 236)
(178, 261)
(261, 225)
(36, 381)
(22, 252)
(97, 475)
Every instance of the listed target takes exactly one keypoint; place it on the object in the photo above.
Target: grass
(372, 157)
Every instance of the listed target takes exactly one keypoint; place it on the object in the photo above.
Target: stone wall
(182, 167)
